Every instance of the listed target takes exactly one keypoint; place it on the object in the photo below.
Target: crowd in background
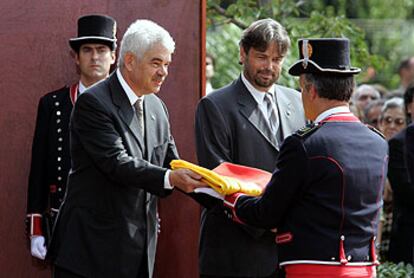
(390, 111)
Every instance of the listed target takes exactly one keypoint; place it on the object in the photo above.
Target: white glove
(37, 247)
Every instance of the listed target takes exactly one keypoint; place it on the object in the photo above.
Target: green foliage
(391, 270)
(223, 44)
(391, 41)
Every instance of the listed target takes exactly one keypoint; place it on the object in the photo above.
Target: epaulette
(307, 130)
(376, 131)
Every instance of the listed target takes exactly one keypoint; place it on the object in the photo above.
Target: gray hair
(363, 88)
(395, 102)
(140, 36)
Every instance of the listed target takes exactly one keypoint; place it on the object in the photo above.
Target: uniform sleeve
(37, 197)
(287, 180)
(93, 125)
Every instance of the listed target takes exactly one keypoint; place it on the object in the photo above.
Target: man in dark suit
(402, 233)
(410, 153)
(239, 124)
(121, 147)
(94, 52)
(324, 197)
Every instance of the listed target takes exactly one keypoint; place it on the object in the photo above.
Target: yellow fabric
(222, 184)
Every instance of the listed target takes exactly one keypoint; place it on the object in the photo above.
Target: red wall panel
(35, 59)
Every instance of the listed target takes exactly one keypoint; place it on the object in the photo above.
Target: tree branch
(223, 13)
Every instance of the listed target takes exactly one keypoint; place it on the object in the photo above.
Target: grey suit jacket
(230, 127)
(107, 223)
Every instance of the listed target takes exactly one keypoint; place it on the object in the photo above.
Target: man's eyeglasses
(397, 121)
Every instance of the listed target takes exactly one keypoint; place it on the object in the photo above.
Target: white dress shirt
(259, 96)
(329, 112)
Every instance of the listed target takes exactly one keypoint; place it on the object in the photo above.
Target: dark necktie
(139, 111)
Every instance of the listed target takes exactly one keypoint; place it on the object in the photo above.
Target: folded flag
(229, 178)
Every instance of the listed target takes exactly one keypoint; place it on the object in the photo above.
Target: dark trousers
(59, 272)
(143, 268)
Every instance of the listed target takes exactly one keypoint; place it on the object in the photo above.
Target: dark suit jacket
(410, 150)
(107, 222)
(328, 183)
(402, 233)
(230, 127)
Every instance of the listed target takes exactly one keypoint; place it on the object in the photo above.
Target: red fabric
(74, 93)
(341, 117)
(230, 202)
(329, 271)
(373, 254)
(36, 225)
(342, 257)
(52, 188)
(244, 173)
(284, 238)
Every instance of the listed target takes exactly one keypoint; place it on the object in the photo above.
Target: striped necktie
(139, 111)
(272, 116)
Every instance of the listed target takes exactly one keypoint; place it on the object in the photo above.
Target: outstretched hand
(186, 180)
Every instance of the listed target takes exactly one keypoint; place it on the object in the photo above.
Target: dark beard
(265, 84)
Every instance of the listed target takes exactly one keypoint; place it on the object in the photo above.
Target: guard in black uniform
(324, 197)
(94, 52)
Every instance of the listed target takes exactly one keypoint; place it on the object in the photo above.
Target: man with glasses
(372, 112)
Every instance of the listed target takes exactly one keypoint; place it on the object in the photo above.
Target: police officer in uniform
(94, 52)
(324, 197)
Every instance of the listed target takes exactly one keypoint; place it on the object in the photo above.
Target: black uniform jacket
(50, 152)
(107, 222)
(328, 185)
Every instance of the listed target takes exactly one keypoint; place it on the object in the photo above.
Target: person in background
(409, 155)
(392, 118)
(94, 52)
(324, 197)
(401, 247)
(372, 112)
(245, 123)
(391, 121)
(121, 148)
(406, 73)
(364, 95)
(210, 62)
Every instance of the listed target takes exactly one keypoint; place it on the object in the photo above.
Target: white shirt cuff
(167, 184)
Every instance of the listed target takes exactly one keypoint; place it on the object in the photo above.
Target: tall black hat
(95, 29)
(330, 56)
